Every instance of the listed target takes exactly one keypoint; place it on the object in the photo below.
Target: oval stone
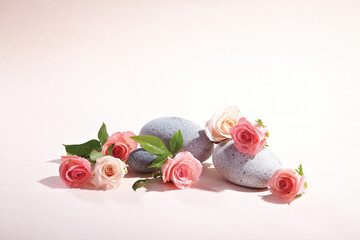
(140, 160)
(195, 140)
(242, 169)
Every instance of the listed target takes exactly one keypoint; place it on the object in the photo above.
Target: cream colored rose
(217, 129)
(108, 173)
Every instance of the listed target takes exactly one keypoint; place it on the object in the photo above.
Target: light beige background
(67, 66)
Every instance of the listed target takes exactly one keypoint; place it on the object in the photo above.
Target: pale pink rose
(74, 170)
(183, 170)
(123, 145)
(286, 184)
(108, 173)
(248, 139)
(218, 127)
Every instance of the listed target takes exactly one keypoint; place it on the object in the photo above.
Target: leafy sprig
(176, 142)
(300, 171)
(103, 135)
(141, 182)
(155, 146)
(259, 122)
(91, 150)
(151, 144)
(267, 134)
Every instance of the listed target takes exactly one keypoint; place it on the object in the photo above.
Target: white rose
(108, 172)
(218, 127)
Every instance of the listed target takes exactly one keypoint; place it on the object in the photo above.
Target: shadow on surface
(55, 161)
(211, 180)
(272, 199)
(55, 182)
(158, 186)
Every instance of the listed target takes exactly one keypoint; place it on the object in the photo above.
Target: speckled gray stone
(195, 140)
(242, 169)
(140, 160)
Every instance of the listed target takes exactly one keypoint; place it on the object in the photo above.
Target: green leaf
(139, 183)
(159, 161)
(298, 195)
(300, 170)
(260, 123)
(157, 174)
(95, 154)
(176, 142)
(83, 150)
(151, 144)
(110, 149)
(102, 134)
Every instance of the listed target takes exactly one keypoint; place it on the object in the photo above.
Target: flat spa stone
(140, 160)
(195, 140)
(242, 169)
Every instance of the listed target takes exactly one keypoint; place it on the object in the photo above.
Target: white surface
(67, 66)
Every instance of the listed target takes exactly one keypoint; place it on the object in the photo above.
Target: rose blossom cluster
(179, 167)
(109, 169)
(183, 170)
(109, 155)
(102, 162)
(76, 171)
(229, 123)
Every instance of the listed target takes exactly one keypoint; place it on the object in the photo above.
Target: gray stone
(242, 169)
(195, 140)
(140, 160)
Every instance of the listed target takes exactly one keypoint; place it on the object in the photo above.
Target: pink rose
(123, 145)
(108, 173)
(286, 184)
(74, 170)
(248, 139)
(218, 127)
(183, 170)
